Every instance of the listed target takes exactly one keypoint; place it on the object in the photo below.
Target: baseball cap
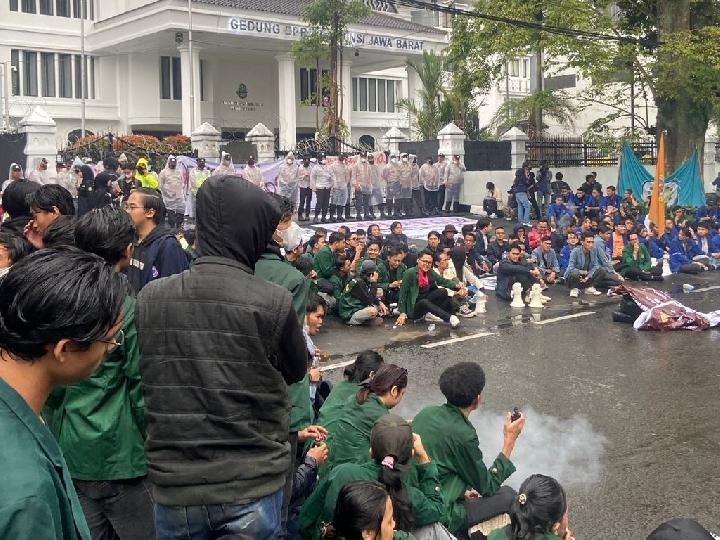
(368, 267)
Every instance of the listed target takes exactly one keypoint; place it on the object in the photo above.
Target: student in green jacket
(61, 312)
(325, 258)
(539, 512)
(392, 446)
(99, 422)
(372, 253)
(360, 302)
(348, 438)
(452, 441)
(422, 292)
(636, 262)
(343, 267)
(396, 270)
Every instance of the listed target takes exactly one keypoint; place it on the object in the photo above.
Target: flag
(657, 206)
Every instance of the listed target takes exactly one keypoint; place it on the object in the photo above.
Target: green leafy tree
(427, 116)
(523, 112)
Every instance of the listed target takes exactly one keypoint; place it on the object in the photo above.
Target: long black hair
(360, 507)
(387, 376)
(367, 362)
(539, 505)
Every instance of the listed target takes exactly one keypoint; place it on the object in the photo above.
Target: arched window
(367, 141)
(75, 134)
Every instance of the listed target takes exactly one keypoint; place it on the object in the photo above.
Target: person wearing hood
(220, 336)
(16, 206)
(391, 178)
(41, 174)
(304, 170)
(322, 178)
(103, 184)
(86, 185)
(226, 166)
(171, 188)
(196, 178)
(288, 180)
(144, 175)
(158, 253)
(454, 179)
(340, 194)
(252, 174)
(15, 173)
(359, 302)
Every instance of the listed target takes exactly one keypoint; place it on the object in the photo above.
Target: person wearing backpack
(158, 253)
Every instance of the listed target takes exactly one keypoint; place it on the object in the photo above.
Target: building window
(363, 94)
(373, 95)
(62, 8)
(13, 5)
(65, 75)
(28, 6)
(47, 67)
(391, 93)
(170, 78)
(46, 7)
(15, 71)
(30, 81)
(79, 5)
(308, 85)
(90, 76)
(382, 95)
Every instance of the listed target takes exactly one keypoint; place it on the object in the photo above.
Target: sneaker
(429, 317)
(466, 312)
(493, 216)
(574, 293)
(395, 312)
(454, 321)
(593, 291)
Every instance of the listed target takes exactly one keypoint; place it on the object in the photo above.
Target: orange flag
(657, 206)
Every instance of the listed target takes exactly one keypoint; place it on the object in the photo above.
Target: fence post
(264, 139)
(518, 153)
(710, 167)
(392, 139)
(205, 141)
(41, 131)
(451, 141)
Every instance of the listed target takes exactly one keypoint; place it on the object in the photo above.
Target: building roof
(294, 9)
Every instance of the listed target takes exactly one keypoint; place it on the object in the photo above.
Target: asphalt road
(627, 421)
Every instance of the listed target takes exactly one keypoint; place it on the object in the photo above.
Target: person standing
(101, 427)
(226, 166)
(171, 188)
(379, 188)
(340, 193)
(306, 191)
(219, 340)
(543, 192)
(15, 173)
(61, 312)
(40, 174)
(252, 174)
(391, 177)
(158, 254)
(441, 165)
(144, 176)
(430, 182)
(519, 189)
(406, 180)
(454, 179)
(196, 179)
(288, 180)
(362, 184)
(322, 179)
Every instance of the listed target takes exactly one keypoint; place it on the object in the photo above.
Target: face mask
(289, 161)
(286, 234)
(363, 160)
(405, 160)
(4, 271)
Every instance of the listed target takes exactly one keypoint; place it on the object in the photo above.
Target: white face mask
(289, 161)
(363, 160)
(322, 162)
(287, 233)
(405, 160)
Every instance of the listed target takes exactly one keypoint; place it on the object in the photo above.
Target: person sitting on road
(416, 500)
(547, 261)
(396, 270)
(681, 529)
(396, 238)
(468, 487)
(448, 237)
(421, 293)
(349, 435)
(513, 270)
(586, 269)
(540, 510)
(683, 252)
(708, 245)
(477, 263)
(364, 510)
(360, 301)
(572, 241)
(636, 262)
(314, 245)
(343, 269)
(497, 248)
(325, 260)
(372, 253)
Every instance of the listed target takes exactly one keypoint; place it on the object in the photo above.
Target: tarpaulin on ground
(662, 312)
(683, 187)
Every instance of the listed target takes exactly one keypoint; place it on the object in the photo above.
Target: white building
(137, 58)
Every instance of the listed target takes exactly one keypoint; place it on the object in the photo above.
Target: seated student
(709, 246)
(476, 262)
(364, 510)
(512, 270)
(520, 233)
(364, 368)
(433, 242)
(603, 243)
(683, 252)
(325, 260)
(314, 245)
(444, 268)
(482, 239)
(592, 207)
(492, 202)
(636, 263)
(618, 240)
(360, 237)
(709, 210)
(585, 227)
(587, 268)
(547, 261)
(349, 435)
(453, 443)
(13, 247)
(396, 269)
(359, 302)
(343, 268)
(421, 293)
(305, 266)
(372, 253)
(559, 184)
(577, 202)
(497, 247)
(648, 238)
(610, 203)
(396, 238)
(373, 234)
(537, 233)
(392, 446)
(540, 511)
(448, 238)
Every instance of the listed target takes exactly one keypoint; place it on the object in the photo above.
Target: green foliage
(427, 118)
(519, 112)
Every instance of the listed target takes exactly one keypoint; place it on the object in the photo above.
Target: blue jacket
(564, 257)
(706, 211)
(682, 254)
(606, 201)
(578, 202)
(713, 245)
(546, 261)
(654, 247)
(578, 258)
(555, 211)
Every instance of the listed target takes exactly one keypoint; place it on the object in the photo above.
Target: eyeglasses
(133, 207)
(116, 341)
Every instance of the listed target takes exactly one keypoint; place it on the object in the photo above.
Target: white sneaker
(574, 293)
(454, 321)
(429, 317)
(493, 216)
(593, 291)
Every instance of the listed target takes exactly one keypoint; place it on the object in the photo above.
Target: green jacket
(410, 290)
(99, 422)
(325, 263)
(399, 274)
(338, 284)
(501, 534)
(301, 412)
(452, 442)
(271, 267)
(331, 409)
(424, 497)
(348, 438)
(383, 275)
(349, 302)
(643, 261)
(37, 499)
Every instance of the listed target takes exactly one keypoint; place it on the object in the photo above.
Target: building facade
(142, 74)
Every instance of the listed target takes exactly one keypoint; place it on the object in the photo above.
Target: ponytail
(540, 504)
(391, 477)
(386, 377)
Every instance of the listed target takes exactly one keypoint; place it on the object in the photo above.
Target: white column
(41, 137)
(191, 104)
(413, 85)
(347, 91)
(517, 149)
(206, 141)
(710, 168)
(287, 105)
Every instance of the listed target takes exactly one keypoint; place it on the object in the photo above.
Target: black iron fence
(331, 146)
(574, 152)
(12, 150)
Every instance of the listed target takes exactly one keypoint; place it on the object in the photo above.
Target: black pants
(536, 208)
(483, 508)
(490, 206)
(527, 281)
(417, 198)
(322, 202)
(601, 278)
(393, 205)
(174, 219)
(436, 302)
(305, 200)
(441, 197)
(690, 268)
(117, 508)
(635, 274)
(431, 200)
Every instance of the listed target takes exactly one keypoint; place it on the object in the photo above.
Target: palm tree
(523, 111)
(427, 116)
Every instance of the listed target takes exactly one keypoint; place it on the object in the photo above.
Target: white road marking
(573, 316)
(336, 366)
(710, 288)
(456, 340)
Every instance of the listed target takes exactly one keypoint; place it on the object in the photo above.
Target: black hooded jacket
(219, 346)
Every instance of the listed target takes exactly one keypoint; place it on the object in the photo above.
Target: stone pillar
(347, 95)
(392, 139)
(517, 139)
(41, 133)
(264, 140)
(191, 102)
(710, 167)
(287, 105)
(451, 141)
(205, 141)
